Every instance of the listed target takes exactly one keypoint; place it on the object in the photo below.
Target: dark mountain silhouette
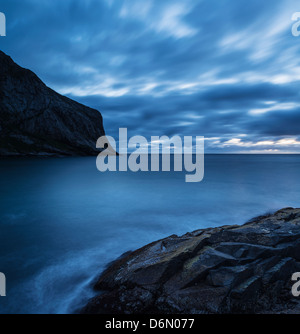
(35, 120)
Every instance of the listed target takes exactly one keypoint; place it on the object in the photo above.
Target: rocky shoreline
(229, 269)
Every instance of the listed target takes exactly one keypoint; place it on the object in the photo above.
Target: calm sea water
(62, 221)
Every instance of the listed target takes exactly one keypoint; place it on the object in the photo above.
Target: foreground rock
(231, 269)
(35, 120)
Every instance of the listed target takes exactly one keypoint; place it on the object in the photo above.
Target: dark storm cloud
(224, 69)
(274, 124)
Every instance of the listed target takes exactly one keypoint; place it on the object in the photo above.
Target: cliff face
(230, 269)
(35, 120)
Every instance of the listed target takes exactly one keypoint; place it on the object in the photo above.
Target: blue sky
(225, 69)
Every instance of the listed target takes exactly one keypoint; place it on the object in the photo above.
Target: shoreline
(228, 269)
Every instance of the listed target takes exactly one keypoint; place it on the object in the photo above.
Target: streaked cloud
(228, 70)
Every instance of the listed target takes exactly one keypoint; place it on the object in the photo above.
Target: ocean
(62, 221)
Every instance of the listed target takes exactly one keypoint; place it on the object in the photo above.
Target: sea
(62, 221)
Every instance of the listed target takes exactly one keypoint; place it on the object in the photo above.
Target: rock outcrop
(229, 269)
(35, 120)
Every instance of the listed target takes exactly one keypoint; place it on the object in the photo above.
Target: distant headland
(37, 121)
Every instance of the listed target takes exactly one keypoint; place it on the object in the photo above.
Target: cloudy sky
(228, 70)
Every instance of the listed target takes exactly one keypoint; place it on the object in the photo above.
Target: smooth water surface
(62, 221)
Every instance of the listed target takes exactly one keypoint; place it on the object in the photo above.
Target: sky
(228, 70)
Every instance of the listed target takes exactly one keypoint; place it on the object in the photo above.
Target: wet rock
(230, 269)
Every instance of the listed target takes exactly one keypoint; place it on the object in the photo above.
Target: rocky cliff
(230, 269)
(35, 120)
